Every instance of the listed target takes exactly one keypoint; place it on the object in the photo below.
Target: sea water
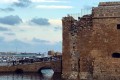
(28, 76)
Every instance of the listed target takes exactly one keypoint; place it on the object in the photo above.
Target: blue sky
(35, 25)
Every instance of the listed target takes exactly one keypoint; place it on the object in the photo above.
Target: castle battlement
(109, 3)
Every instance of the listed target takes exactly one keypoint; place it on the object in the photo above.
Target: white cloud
(40, 1)
(45, 1)
(8, 1)
(43, 33)
(55, 22)
(50, 1)
(26, 33)
(53, 7)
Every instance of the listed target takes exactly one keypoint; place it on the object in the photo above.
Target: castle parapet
(107, 10)
(109, 3)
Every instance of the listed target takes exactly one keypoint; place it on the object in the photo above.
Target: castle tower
(91, 44)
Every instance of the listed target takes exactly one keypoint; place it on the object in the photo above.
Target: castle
(91, 44)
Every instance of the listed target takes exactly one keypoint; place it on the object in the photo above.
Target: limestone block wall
(69, 39)
(109, 3)
(90, 41)
(106, 35)
(110, 9)
(77, 31)
(84, 45)
(106, 69)
(106, 41)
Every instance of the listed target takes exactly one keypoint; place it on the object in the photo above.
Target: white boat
(47, 73)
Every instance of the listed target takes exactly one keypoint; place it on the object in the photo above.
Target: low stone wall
(34, 67)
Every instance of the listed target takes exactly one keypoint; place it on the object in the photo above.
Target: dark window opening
(73, 47)
(75, 31)
(116, 55)
(118, 26)
(73, 43)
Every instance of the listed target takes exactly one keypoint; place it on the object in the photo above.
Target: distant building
(58, 53)
(51, 53)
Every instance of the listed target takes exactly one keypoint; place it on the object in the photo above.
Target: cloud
(12, 45)
(25, 47)
(10, 20)
(8, 1)
(40, 41)
(57, 28)
(47, 1)
(40, 21)
(1, 39)
(4, 29)
(22, 3)
(33, 39)
(57, 22)
(7, 9)
(53, 7)
(10, 34)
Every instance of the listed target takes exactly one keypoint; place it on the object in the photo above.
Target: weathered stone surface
(34, 67)
(106, 69)
(90, 41)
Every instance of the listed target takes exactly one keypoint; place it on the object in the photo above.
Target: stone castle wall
(89, 40)
(106, 69)
(76, 45)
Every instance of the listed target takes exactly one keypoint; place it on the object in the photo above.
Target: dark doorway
(116, 55)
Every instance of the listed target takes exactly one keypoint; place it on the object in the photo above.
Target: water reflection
(28, 76)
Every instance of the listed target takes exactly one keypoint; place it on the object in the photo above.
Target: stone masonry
(91, 44)
(34, 67)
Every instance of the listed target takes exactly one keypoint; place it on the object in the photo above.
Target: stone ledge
(105, 17)
(109, 3)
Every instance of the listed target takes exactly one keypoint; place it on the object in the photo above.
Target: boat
(47, 73)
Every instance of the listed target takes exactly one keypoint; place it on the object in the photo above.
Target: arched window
(116, 55)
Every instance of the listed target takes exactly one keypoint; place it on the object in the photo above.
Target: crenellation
(106, 11)
(109, 3)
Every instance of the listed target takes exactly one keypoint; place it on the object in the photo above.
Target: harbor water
(28, 76)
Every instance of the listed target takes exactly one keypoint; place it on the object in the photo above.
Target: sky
(35, 25)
